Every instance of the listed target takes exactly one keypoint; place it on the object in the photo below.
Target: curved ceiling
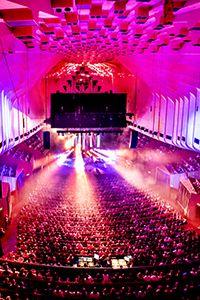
(159, 40)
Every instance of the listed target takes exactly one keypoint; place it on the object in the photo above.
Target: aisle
(59, 180)
(9, 240)
(80, 191)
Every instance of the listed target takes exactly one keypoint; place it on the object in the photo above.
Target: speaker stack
(133, 139)
(46, 139)
(1, 196)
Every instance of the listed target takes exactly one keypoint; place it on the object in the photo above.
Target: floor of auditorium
(81, 183)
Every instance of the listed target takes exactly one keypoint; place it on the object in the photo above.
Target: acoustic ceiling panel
(86, 27)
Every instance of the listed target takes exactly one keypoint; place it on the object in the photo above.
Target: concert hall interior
(100, 149)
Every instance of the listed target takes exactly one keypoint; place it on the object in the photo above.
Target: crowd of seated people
(7, 171)
(20, 154)
(122, 222)
(32, 281)
(185, 166)
(143, 140)
(59, 226)
(166, 148)
(35, 142)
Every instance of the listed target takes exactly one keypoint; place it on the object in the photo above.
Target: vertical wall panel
(156, 112)
(1, 121)
(184, 121)
(175, 128)
(169, 120)
(159, 115)
(163, 116)
(144, 105)
(191, 120)
(197, 122)
(6, 118)
(179, 125)
(151, 114)
(11, 123)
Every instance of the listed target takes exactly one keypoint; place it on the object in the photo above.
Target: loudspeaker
(198, 212)
(1, 196)
(133, 139)
(46, 139)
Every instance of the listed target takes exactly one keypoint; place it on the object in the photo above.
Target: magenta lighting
(107, 156)
(61, 158)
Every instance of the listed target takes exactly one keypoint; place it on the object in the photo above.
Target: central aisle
(63, 188)
(68, 215)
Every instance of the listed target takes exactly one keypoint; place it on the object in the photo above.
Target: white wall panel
(175, 128)
(197, 123)
(179, 121)
(156, 113)
(12, 130)
(184, 122)
(169, 120)
(163, 106)
(191, 120)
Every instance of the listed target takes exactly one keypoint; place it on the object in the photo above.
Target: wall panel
(163, 106)
(175, 129)
(169, 120)
(197, 122)
(191, 120)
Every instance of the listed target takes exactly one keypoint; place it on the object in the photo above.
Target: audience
(124, 222)
(35, 142)
(7, 171)
(20, 154)
(185, 166)
(121, 243)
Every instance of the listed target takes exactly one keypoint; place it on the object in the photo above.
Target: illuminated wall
(172, 121)
(121, 81)
(15, 125)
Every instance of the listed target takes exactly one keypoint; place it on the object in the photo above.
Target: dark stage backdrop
(85, 110)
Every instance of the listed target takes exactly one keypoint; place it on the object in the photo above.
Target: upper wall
(167, 80)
